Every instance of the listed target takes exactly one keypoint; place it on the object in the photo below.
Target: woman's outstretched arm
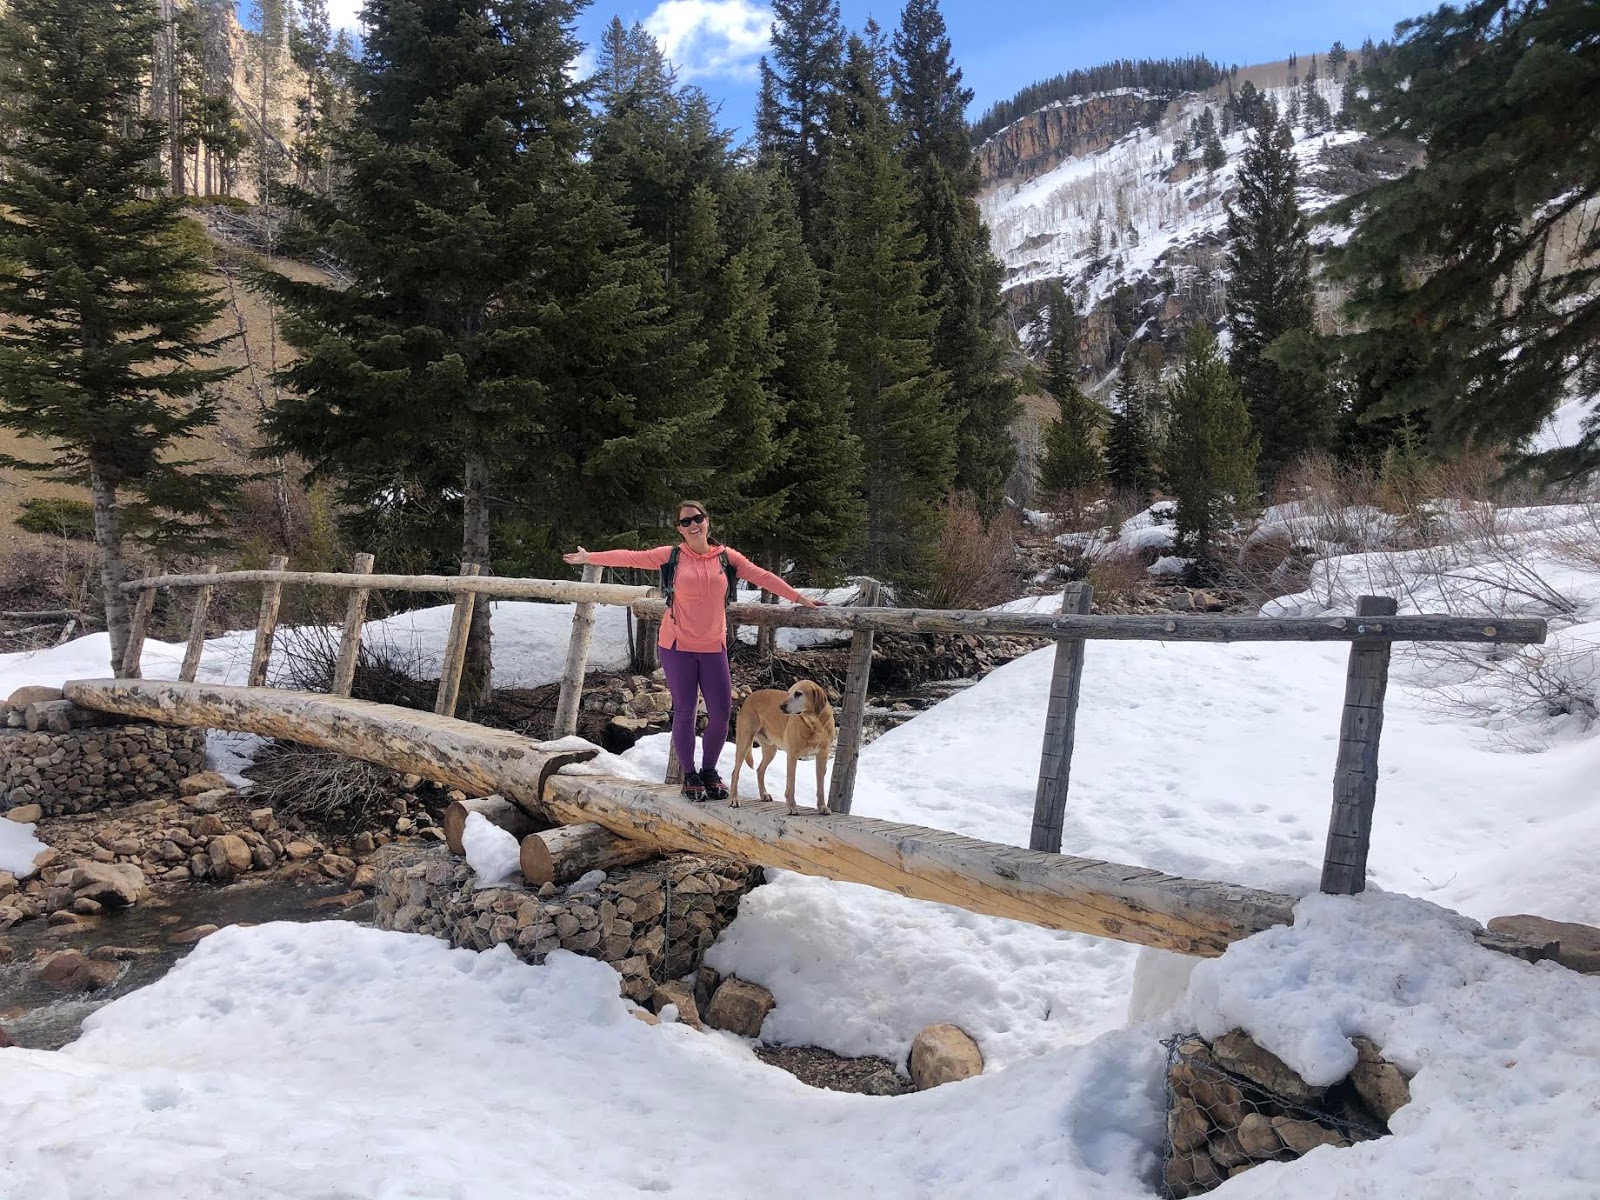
(767, 581)
(649, 560)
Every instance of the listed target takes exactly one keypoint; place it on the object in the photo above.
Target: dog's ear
(819, 696)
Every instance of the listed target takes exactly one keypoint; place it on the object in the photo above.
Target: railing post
(1355, 774)
(355, 617)
(842, 787)
(266, 623)
(197, 630)
(566, 723)
(1060, 728)
(455, 648)
(134, 650)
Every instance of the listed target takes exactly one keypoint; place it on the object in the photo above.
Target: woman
(694, 635)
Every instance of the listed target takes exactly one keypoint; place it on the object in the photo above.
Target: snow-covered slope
(1044, 228)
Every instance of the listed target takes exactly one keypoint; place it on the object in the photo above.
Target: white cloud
(711, 37)
(345, 14)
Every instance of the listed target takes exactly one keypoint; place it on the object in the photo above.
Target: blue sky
(1002, 45)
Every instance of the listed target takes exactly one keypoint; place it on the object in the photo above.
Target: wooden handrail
(1165, 628)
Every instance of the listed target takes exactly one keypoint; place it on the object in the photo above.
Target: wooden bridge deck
(1057, 891)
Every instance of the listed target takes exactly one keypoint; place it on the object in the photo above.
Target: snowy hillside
(315, 1060)
(1126, 215)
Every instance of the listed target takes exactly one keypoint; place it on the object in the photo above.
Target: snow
(18, 847)
(491, 852)
(1506, 1055)
(326, 1059)
(293, 1060)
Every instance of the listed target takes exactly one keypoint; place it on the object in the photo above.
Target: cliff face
(1045, 139)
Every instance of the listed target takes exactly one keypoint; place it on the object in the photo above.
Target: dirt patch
(821, 1068)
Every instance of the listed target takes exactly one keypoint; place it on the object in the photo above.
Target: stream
(42, 1016)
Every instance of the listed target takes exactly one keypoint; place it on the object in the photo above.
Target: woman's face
(696, 530)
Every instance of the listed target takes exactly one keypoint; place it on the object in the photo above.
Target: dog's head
(805, 696)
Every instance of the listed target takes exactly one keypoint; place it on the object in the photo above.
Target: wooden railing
(1371, 632)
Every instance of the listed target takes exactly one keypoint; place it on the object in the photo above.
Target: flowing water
(44, 1017)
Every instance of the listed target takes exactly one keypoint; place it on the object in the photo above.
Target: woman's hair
(699, 506)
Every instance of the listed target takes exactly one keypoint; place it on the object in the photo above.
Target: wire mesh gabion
(1220, 1123)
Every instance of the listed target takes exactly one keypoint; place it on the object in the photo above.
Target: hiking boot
(692, 787)
(712, 783)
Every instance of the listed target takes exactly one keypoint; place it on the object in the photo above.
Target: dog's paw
(766, 798)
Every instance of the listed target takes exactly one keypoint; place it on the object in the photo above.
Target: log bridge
(526, 785)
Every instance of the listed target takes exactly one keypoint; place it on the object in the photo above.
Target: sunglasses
(685, 522)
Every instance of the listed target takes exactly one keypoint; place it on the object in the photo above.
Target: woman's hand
(808, 602)
(577, 559)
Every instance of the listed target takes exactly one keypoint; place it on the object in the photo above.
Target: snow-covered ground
(327, 1060)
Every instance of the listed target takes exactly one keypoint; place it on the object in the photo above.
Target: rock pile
(208, 832)
(83, 769)
(653, 922)
(1231, 1105)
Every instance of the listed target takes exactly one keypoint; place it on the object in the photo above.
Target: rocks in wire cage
(1232, 1105)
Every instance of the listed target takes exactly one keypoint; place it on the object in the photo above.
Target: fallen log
(1057, 891)
(566, 852)
(497, 810)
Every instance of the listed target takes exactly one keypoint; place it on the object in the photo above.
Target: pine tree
(100, 282)
(1488, 253)
(501, 343)
(797, 84)
(1130, 453)
(1215, 155)
(896, 394)
(1210, 457)
(1070, 464)
(1337, 57)
(962, 281)
(1269, 300)
(816, 475)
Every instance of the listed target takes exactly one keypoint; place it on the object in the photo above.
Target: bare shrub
(387, 671)
(976, 560)
(1116, 578)
(323, 787)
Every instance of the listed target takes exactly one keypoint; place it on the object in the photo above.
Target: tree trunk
(108, 541)
(476, 683)
(174, 115)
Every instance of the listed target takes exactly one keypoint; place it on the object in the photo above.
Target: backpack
(669, 573)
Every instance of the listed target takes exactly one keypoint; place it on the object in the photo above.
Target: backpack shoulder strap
(669, 573)
(732, 573)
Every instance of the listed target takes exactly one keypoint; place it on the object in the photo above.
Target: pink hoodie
(696, 621)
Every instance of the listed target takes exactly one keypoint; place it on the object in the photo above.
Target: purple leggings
(687, 673)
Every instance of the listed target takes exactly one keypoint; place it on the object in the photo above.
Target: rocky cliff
(1044, 139)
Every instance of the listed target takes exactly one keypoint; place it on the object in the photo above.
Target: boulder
(6, 1040)
(230, 856)
(337, 866)
(114, 885)
(205, 781)
(649, 1018)
(1378, 1081)
(72, 971)
(739, 1007)
(27, 814)
(682, 995)
(943, 1054)
(33, 694)
(1578, 946)
(1257, 1137)
(1236, 1052)
(262, 819)
(8, 884)
(189, 937)
(1305, 1136)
